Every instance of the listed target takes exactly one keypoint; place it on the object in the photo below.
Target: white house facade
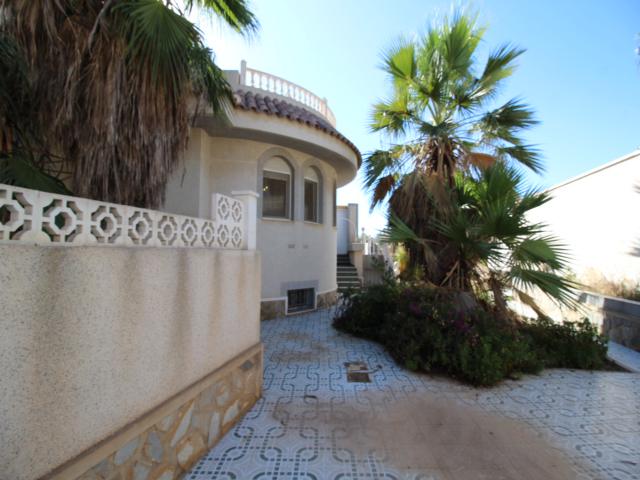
(280, 144)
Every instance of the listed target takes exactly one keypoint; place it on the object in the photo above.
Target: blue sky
(580, 72)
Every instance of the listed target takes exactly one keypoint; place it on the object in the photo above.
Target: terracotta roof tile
(257, 102)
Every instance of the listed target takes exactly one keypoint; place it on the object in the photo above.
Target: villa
(281, 141)
(133, 346)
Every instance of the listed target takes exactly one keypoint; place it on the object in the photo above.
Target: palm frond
(400, 63)
(556, 287)
(393, 117)
(382, 189)
(545, 251)
(208, 80)
(459, 42)
(157, 38)
(19, 170)
(235, 13)
(499, 65)
(527, 155)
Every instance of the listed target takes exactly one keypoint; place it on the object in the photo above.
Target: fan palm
(441, 118)
(495, 248)
(107, 88)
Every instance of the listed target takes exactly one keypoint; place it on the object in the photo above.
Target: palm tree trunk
(500, 302)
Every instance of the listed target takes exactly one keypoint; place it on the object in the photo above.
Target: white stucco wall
(295, 253)
(598, 216)
(94, 337)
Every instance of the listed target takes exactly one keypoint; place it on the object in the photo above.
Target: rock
(183, 426)
(230, 414)
(104, 468)
(166, 423)
(200, 421)
(141, 471)
(190, 450)
(207, 398)
(153, 448)
(165, 472)
(214, 429)
(223, 395)
(125, 452)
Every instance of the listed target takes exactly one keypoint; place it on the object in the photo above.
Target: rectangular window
(335, 204)
(275, 195)
(310, 201)
(300, 300)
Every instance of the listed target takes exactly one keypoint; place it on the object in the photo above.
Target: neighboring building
(281, 142)
(597, 215)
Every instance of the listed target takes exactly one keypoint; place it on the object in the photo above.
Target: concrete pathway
(313, 424)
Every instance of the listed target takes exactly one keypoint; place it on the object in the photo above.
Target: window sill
(309, 222)
(276, 219)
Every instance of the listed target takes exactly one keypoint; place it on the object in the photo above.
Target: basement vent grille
(300, 300)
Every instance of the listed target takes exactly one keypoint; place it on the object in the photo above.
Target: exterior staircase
(347, 274)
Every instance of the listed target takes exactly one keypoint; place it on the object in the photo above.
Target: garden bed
(427, 329)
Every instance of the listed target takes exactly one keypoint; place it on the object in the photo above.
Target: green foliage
(23, 162)
(443, 117)
(442, 106)
(367, 309)
(108, 90)
(568, 345)
(17, 168)
(424, 329)
(493, 245)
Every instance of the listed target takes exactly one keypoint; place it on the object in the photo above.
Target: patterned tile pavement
(292, 432)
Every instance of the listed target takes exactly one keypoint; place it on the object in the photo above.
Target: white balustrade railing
(40, 218)
(253, 78)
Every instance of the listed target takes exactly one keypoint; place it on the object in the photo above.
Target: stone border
(270, 309)
(168, 440)
(327, 299)
(619, 319)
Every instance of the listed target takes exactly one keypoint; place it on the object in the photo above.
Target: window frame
(318, 198)
(335, 203)
(315, 217)
(269, 174)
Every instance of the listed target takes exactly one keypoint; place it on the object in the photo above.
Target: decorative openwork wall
(34, 217)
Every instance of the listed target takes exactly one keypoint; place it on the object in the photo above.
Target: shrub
(568, 345)
(423, 330)
(363, 312)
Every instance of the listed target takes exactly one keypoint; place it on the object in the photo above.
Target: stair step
(347, 274)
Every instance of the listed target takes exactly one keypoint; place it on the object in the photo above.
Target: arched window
(276, 188)
(312, 195)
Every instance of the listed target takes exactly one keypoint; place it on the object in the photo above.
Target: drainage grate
(357, 372)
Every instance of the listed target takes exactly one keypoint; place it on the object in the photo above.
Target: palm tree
(441, 118)
(107, 91)
(495, 248)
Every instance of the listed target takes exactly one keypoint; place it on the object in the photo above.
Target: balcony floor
(313, 424)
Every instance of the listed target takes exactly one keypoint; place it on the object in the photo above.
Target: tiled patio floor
(313, 424)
